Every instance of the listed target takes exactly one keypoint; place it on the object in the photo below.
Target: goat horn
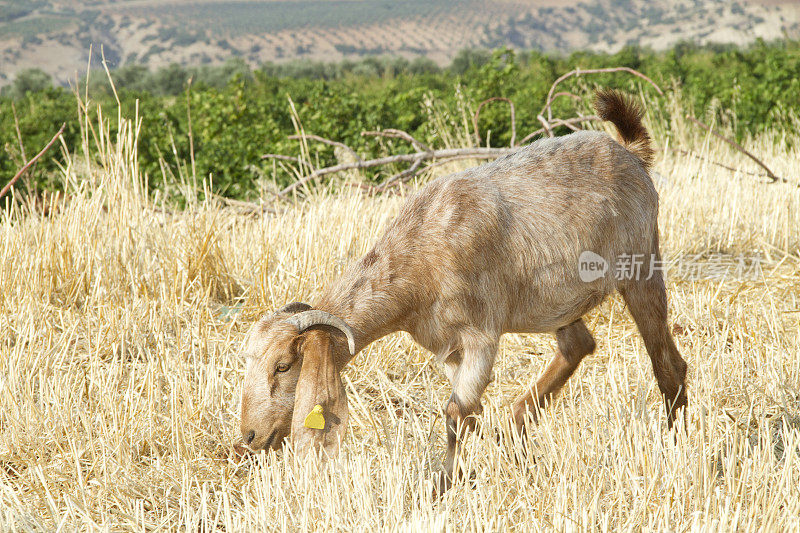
(306, 319)
(293, 308)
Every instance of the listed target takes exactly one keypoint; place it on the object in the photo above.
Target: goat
(473, 255)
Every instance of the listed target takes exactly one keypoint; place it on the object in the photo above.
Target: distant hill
(55, 35)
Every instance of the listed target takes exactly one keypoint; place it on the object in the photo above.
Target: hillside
(55, 35)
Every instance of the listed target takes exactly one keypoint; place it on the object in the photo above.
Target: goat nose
(250, 436)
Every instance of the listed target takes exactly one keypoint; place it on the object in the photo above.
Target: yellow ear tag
(314, 419)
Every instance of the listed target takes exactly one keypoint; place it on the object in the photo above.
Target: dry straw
(120, 322)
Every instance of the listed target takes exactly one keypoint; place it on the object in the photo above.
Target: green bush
(239, 114)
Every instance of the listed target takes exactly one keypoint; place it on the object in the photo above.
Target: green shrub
(238, 114)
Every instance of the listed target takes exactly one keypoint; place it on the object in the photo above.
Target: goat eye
(282, 367)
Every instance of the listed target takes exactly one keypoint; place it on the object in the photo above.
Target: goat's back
(499, 245)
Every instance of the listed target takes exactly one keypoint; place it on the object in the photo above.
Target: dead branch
(28, 165)
(552, 95)
(426, 157)
(545, 126)
(513, 118)
(329, 142)
(441, 162)
(716, 163)
(565, 93)
(570, 123)
(400, 177)
(738, 147)
(399, 134)
(426, 153)
(450, 153)
(727, 167)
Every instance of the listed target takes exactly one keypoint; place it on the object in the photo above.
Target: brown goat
(490, 250)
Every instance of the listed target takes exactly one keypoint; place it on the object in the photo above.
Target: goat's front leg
(469, 371)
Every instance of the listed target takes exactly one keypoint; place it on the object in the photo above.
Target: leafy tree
(469, 58)
(30, 80)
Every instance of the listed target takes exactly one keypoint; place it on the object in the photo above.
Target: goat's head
(292, 367)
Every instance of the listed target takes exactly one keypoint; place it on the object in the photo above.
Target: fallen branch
(400, 177)
(545, 116)
(545, 126)
(513, 119)
(716, 163)
(565, 93)
(552, 95)
(451, 153)
(740, 148)
(399, 134)
(727, 167)
(426, 153)
(323, 140)
(30, 163)
(570, 123)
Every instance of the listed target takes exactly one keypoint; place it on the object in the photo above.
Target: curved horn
(306, 319)
(293, 308)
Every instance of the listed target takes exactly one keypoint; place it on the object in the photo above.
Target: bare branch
(425, 153)
(28, 165)
(545, 124)
(477, 153)
(401, 177)
(570, 123)
(441, 162)
(727, 167)
(549, 105)
(330, 142)
(738, 147)
(513, 118)
(552, 95)
(405, 176)
(711, 161)
(399, 134)
(565, 93)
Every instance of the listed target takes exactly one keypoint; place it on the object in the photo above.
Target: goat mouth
(270, 439)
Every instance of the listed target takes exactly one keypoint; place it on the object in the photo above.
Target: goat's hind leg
(647, 302)
(574, 343)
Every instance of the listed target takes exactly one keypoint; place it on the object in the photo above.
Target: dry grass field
(120, 322)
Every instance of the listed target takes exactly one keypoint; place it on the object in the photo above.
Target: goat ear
(320, 413)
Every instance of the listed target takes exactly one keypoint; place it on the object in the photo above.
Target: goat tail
(626, 115)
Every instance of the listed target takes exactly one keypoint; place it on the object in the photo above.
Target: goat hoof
(441, 484)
